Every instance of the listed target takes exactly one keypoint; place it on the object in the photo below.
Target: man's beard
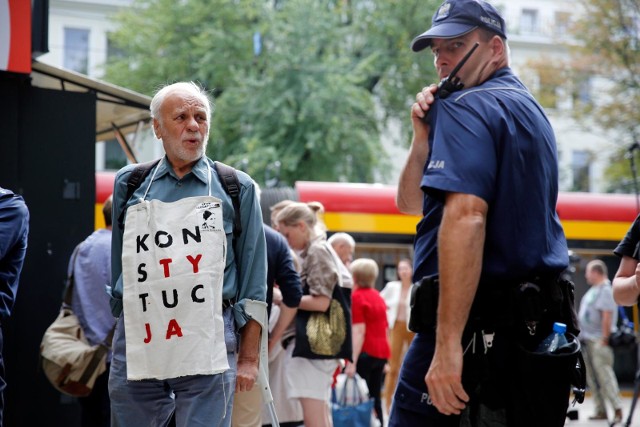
(192, 156)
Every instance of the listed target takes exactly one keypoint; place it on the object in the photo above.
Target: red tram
(593, 223)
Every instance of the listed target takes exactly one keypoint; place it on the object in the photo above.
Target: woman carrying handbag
(323, 333)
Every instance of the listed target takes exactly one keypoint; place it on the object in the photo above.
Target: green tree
(164, 41)
(316, 98)
(385, 32)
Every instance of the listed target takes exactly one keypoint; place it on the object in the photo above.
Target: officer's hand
(444, 380)
(246, 375)
(419, 109)
(638, 277)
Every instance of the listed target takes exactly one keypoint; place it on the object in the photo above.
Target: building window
(76, 50)
(550, 80)
(529, 21)
(114, 157)
(562, 22)
(113, 51)
(580, 168)
(583, 91)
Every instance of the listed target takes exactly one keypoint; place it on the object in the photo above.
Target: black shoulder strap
(231, 184)
(135, 179)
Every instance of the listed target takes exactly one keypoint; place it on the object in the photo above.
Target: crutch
(258, 312)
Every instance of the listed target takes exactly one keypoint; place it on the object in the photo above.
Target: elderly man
(182, 279)
(344, 246)
(482, 170)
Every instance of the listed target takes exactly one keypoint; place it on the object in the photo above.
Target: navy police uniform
(495, 142)
(14, 233)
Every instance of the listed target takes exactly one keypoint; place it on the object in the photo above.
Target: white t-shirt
(597, 299)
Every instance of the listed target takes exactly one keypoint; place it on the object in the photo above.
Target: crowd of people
(190, 268)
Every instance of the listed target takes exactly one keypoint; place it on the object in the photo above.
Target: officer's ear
(497, 46)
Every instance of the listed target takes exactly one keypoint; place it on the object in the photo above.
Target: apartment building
(79, 41)
(539, 34)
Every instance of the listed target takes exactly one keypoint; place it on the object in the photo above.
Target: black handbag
(325, 335)
(624, 336)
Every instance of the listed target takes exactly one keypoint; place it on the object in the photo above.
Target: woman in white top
(396, 294)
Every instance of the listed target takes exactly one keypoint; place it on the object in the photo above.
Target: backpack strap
(231, 184)
(229, 179)
(138, 175)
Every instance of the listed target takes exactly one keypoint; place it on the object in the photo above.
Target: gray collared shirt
(91, 271)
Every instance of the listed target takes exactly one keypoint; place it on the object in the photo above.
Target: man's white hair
(189, 87)
(342, 238)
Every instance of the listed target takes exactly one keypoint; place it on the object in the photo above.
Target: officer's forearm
(460, 244)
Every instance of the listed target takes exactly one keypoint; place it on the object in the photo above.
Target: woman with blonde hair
(369, 330)
(310, 380)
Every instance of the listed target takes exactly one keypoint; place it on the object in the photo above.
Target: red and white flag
(15, 36)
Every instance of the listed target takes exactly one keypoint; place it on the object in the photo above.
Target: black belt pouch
(424, 304)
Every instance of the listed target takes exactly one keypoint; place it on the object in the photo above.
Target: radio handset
(451, 83)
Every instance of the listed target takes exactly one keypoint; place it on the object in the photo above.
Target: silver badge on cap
(443, 11)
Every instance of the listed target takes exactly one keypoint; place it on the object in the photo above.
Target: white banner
(173, 260)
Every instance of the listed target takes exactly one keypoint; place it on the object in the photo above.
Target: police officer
(482, 170)
(14, 233)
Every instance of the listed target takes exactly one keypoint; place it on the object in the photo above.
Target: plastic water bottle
(555, 340)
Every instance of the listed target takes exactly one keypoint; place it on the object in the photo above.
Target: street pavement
(586, 409)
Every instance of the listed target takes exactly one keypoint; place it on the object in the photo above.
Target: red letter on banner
(173, 329)
(147, 340)
(165, 263)
(194, 261)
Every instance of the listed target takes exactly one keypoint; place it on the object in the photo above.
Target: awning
(117, 109)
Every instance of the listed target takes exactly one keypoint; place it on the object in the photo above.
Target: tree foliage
(608, 35)
(164, 41)
(315, 98)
